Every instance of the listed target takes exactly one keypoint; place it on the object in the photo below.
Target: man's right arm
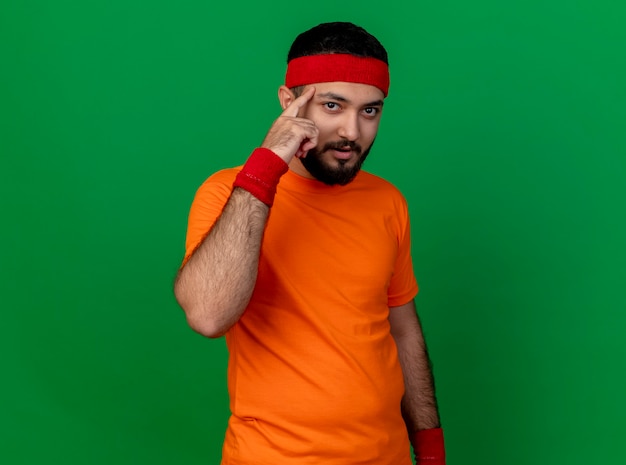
(215, 285)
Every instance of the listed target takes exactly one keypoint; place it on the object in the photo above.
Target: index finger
(294, 107)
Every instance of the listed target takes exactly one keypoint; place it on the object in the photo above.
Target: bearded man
(303, 261)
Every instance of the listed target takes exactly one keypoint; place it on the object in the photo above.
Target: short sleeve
(403, 286)
(206, 208)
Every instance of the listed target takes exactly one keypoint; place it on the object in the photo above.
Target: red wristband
(428, 447)
(260, 175)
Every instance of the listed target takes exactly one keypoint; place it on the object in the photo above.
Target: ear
(285, 96)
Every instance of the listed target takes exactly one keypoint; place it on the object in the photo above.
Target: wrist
(261, 174)
(428, 447)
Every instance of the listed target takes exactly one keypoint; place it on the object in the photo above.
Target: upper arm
(207, 206)
(402, 286)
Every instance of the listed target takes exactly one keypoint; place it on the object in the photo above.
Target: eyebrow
(339, 98)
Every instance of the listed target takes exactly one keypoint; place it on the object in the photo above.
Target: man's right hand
(290, 135)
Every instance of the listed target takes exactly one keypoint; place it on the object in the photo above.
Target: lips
(342, 154)
(343, 150)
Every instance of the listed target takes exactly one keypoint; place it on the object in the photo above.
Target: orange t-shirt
(313, 371)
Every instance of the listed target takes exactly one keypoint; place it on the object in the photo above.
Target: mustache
(343, 145)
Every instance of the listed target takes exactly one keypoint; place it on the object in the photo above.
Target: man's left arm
(419, 404)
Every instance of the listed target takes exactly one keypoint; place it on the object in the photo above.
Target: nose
(349, 127)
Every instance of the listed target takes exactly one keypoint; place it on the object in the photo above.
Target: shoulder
(219, 183)
(373, 181)
(225, 176)
(378, 187)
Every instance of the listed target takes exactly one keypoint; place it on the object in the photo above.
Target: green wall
(505, 128)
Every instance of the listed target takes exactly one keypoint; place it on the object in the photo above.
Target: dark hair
(337, 37)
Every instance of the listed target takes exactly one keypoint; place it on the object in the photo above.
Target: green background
(505, 129)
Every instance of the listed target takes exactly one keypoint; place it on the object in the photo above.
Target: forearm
(419, 404)
(215, 285)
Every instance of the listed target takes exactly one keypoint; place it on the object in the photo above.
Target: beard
(335, 175)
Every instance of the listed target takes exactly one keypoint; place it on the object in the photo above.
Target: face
(347, 116)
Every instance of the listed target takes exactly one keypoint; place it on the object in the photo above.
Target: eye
(332, 106)
(370, 111)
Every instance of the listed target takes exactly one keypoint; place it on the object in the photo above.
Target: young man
(311, 279)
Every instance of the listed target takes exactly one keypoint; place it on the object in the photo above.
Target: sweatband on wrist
(331, 67)
(429, 447)
(260, 175)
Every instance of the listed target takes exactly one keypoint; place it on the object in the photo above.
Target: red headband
(337, 67)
